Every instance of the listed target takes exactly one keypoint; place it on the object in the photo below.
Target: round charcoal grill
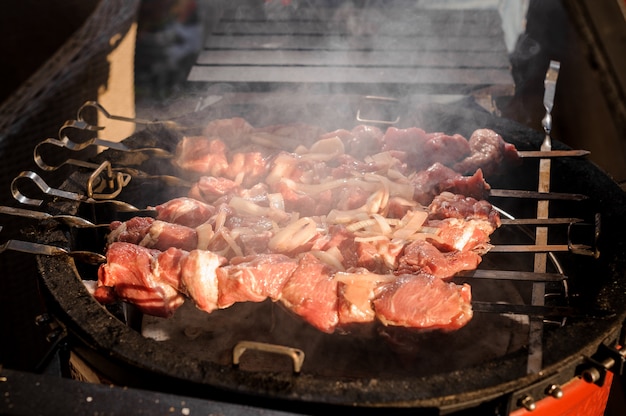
(482, 366)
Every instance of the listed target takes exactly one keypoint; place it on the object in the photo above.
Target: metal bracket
(295, 354)
(581, 249)
(605, 359)
(377, 101)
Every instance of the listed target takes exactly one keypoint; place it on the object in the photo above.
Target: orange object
(580, 398)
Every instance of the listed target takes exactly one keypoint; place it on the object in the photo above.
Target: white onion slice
(293, 235)
(205, 235)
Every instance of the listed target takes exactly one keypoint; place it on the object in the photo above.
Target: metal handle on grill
(359, 115)
(296, 355)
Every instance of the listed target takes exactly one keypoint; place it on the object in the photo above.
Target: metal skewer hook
(72, 196)
(99, 108)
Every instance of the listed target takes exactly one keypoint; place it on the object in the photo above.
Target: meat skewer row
(209, 155)
(325, 296)
(456, 230)
(157, 282)
(352, 232)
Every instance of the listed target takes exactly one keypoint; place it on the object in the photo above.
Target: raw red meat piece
(461, 235)
(305, 204)
(151, 233)
(253, 278)
(338, 237)
(449, 205)
(163, 235)
(423, 149)
(346, 198)
(424, 301)
(233, 131)
(445, 149)
(409, 141)
(209, 188)
(131, 274)
(439, 178)
(355, 291)
(364, 141)
(201, 155)
(378, 256)
(246, 168)
(489, 152)
(311, 293)
(169, 265)
(131, 231)
(198, 278)
(423, 257)
(189, 212)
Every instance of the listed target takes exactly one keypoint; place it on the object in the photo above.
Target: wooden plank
(308, 42)
(410, 26)
(391, 11)
(444, 59)
(281, 74)
(387, 43)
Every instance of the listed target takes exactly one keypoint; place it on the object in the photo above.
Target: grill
(507, 377)
(557, 323)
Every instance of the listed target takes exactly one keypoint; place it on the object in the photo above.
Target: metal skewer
(88, 257)
(65, 141)
(71, 220)
(535, 347)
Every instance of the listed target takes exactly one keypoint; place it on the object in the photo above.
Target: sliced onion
(385, 229)
(231, 243)
(282, 166)
(325, 149)
(239, 178)
(370, 238)
(276, 201)
(293, 235)
(377, 202)
(330, 257)
(220, 220)
(336, 216)
(412, 223)
(404, 190)
(245, 206)
(355, 226)
(205, 235)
